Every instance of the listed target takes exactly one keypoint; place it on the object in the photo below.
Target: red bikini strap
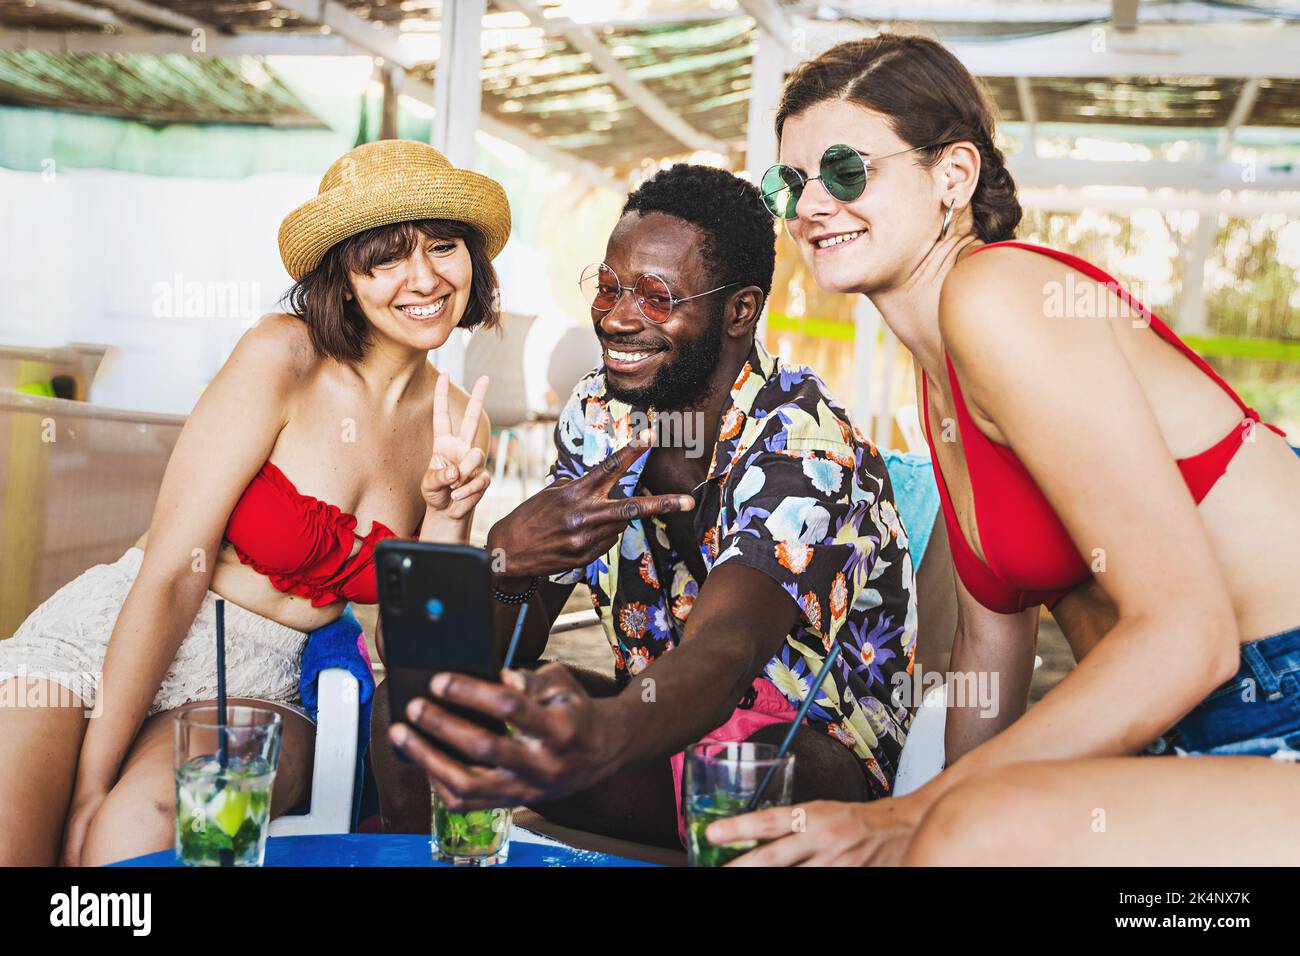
(1105, 278)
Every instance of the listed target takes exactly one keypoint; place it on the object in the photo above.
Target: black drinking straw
(789, 736)
(226, 857)
(514, 638)
(223, 757)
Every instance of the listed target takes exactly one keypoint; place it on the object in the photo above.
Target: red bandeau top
(1031, 557)
(302, 544)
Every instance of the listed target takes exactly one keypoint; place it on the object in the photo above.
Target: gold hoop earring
(947, 219)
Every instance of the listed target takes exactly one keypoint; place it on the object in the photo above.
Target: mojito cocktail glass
(721, 778)
(223, 812)
(473, 838)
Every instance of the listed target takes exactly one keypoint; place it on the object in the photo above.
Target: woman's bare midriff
(240, 584)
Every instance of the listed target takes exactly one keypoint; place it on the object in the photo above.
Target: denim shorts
(1256, 713)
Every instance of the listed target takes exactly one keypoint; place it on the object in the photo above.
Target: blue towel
(916, 496)
(335, 645)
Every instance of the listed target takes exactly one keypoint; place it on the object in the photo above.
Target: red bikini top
(1031, 557)
(302, 544)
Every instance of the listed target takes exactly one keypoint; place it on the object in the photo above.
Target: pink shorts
(770, 707)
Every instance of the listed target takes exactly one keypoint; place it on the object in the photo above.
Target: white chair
(334, 773)
(500, 355)
(922, 756)
(576, 354)
(908, 418)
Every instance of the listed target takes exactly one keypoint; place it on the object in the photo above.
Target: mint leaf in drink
(246, 837)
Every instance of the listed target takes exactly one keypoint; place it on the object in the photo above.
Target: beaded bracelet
(521, 598)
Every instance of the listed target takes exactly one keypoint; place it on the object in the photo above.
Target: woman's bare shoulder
(279, 346)
(1006, 295)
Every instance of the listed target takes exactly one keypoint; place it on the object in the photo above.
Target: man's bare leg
(824, 769)
(637, 803)
(404, 803)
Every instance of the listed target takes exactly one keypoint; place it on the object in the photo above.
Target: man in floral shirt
(793, 490)
(758, 531)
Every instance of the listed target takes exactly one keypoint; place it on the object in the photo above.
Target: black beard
(683, 382)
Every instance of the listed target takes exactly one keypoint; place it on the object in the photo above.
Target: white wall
(95, 256)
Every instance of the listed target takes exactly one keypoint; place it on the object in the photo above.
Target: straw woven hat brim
(385, 182)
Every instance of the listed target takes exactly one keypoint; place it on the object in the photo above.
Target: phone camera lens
(433, 608)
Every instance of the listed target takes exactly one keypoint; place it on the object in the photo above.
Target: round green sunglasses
(843, 173)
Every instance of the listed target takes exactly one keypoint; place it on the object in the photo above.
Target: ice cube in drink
(222, 816)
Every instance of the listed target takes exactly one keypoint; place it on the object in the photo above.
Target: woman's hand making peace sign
(455, 480)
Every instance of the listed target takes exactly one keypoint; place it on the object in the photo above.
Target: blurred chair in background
(501, 356)
(576, 354)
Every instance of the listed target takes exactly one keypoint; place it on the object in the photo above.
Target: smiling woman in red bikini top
(1089, 460)
(326, 431)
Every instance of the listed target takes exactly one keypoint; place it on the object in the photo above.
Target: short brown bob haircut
(336, 324)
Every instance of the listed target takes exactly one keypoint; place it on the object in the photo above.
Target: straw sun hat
(380, 183)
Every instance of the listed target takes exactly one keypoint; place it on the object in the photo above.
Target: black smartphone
(436, 609)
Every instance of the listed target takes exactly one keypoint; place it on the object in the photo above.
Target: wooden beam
(369, 35)
(390, 80)
(539, 149)
(457, 84)
(771, 20)
(1028, 111)
(85, 13)
(1124, 15)
(1088, 200)
(1193, 317)
(1211, 177)
(153, 13)
(270, 43)
(584, 39)
(554, 27)
(766, 77)
(566, 162)
(1240, 113)
(999, 11)
(457, 103)
(1226, 49)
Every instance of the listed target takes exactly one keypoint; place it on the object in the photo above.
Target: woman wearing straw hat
(1088, 461)
(312, 444)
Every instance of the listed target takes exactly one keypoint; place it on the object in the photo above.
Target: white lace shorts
(65, 639)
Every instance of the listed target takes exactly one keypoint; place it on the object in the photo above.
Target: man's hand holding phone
(563, 739)
(561, 742)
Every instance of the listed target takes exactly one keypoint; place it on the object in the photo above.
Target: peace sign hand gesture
(455, 480)
(570, 523)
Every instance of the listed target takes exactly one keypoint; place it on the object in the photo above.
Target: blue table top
(400, 849)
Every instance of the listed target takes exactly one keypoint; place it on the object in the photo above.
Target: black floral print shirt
(793, 490)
